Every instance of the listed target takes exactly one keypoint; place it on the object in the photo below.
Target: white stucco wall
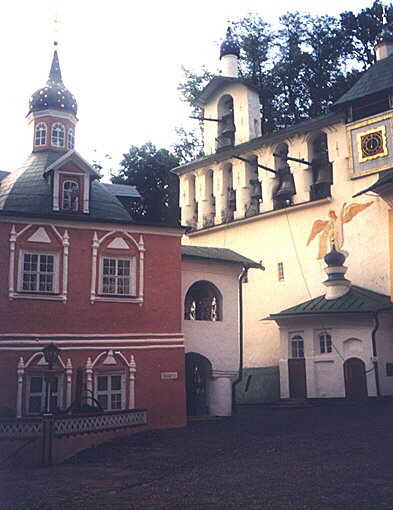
(384, 343)
(351, 337)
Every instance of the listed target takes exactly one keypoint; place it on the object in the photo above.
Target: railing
(22, 428)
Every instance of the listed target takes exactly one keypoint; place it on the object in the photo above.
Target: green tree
(148, 168)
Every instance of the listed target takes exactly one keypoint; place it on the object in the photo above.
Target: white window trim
(318, 342)
(132, 260)
(139, 271)
(60, 383)
(12, 284)
(64, 135)
(56, 272)
(70, 133)
(56, 189)
(123, 387)
(46, 135)
(294, 337)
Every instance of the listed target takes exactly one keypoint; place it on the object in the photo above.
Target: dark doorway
(297, 378)
(355, 379)
(198, 369)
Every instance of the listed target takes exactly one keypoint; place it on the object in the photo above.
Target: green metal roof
(378, 78)
(356, 300)
(27, 191)
(219, 255)
(122, 190)
(385, 179)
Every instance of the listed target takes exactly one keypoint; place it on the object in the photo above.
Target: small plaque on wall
(169, 375)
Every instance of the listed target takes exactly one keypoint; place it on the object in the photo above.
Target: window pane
(116, 401)
(116, 382)
(103, 401)
(300, 349)
(322, 343)
(294, 350)
(36, 384)
(102, 383)
(34, 405)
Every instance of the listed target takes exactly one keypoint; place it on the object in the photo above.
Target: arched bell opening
(203, 302)
(198, 371)
(322, 172)
(226, 122)
(285, 187)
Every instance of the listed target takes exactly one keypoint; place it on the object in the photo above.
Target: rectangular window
(117, 276)
(110, 392)
(389, 369)
(37, 392)
(325, 343)
(38, 273)
(280, 269)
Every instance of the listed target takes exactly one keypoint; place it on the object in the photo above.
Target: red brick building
(76, 270)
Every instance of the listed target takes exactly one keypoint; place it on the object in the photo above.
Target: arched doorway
(355, 379)
(198, 369)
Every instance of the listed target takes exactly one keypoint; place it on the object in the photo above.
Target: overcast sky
(121, 59)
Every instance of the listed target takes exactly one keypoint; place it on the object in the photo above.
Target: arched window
(226, 122)
(322, 175)
(70, 195)
(40, 134)
(296, 347)
(203, 302)
(58, 135)
(70, 139)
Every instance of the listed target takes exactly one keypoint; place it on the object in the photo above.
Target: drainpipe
(242, 279)
(374, 344)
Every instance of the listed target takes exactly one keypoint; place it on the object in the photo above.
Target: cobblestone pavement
(331, 457)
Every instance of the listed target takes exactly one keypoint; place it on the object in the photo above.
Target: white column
(221, 194)
(68, 383)
(269, 180)
(66, 244)
(187, 200)
(142, 250)
(12, 262)
(132, 369)
(220, 396)
(89, 381)
(204, 197)
(94, 245)
(19, 395)
(241, 178)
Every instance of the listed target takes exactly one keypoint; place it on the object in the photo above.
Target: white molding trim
(19, 395)
(61, 296)
(52, 113)
(99, 348)
(37, 336)
(56, 191)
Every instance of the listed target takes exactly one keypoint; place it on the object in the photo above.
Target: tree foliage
(148, 168)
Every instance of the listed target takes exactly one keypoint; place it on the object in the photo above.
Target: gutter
(374, 344)
(242, 279)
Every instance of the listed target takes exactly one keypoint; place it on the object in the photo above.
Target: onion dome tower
(336, 283)
(384, 46)
(52, 110)
(229, 55)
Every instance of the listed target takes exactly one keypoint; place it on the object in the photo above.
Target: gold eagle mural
(331, 231)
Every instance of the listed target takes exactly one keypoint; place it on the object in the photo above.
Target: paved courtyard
(331, 457)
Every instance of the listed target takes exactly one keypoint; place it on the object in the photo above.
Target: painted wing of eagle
(320, 227)
(353, 209)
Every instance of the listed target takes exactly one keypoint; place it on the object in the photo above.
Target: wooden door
(197, 372)
(297, 378)
(355, 379)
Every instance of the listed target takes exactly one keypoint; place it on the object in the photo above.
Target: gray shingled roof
(218, 254)
(385, 179)
(122, 190)
(378, 78)
(27, 192)
(3, 174)
(356, 300)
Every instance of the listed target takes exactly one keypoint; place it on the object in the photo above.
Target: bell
(286, 186)
(323, 170)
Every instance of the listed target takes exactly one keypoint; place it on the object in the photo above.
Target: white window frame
(59, 394)
(40, 134)
(72, 208)
(322, 337)
(109, 391)
(56, 272)
(70, 138)
(132, 261)
(57, 127)
(296, 338)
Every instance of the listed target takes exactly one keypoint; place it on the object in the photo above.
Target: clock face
(372, 144)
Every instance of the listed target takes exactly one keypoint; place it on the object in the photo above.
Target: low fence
(55, 437)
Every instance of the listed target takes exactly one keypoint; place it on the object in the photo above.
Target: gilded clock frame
(384, 152)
